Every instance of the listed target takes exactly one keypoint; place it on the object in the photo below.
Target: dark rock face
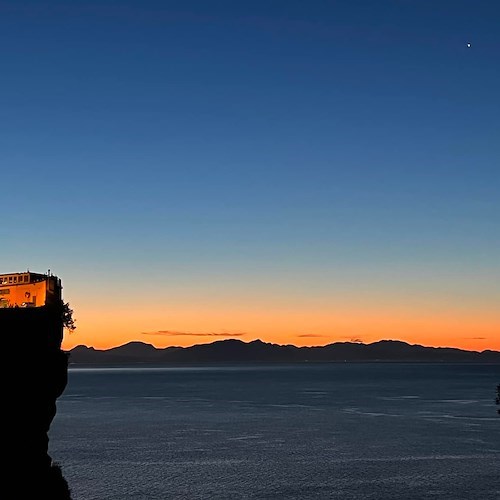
(35, 375)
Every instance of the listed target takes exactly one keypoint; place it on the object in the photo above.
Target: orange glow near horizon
(103, 328)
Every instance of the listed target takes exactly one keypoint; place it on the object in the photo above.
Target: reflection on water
(309, 431)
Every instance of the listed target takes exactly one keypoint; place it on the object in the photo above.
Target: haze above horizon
(298, 172)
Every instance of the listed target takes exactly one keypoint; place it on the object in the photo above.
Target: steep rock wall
(35, 375)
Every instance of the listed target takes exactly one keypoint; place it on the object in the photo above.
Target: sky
(296, 172)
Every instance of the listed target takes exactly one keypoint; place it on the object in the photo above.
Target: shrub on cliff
(68, 320)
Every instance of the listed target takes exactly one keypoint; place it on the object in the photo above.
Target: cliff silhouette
(35, 376)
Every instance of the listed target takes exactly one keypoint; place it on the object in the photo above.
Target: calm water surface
(300, 431)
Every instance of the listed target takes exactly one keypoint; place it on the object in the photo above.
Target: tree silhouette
(67, 316)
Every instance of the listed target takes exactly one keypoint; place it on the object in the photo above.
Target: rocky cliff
(35, 375)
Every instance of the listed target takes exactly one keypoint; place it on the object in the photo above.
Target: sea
(357, 431)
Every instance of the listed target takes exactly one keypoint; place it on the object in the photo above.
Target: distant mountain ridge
(237, 351)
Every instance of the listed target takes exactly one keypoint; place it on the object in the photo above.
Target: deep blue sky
(259, 142)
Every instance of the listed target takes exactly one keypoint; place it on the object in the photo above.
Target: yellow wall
(36, 293)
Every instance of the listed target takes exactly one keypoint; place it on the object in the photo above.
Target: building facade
(29, 290)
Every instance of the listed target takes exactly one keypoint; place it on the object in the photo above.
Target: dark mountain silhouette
(237, 351)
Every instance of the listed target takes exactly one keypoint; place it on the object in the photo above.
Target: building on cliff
(31, 326)
(29, 290)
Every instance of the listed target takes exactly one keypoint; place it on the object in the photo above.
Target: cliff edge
(35, 375)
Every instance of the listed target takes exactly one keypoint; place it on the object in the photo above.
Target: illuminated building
(29, 290)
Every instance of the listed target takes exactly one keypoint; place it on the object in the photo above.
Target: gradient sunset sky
(301, 172)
